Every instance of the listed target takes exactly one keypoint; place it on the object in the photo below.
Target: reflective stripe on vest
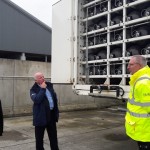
(132, 101)
(138, 115)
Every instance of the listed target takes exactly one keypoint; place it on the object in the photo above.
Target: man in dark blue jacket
(45, 111)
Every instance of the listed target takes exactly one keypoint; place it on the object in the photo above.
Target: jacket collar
(138, 74)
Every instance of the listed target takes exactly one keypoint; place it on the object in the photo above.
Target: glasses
(133, 64)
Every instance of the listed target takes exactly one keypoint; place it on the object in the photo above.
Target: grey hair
(37, 74)
(140, 60)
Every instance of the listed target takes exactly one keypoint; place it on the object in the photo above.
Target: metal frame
(82, 85)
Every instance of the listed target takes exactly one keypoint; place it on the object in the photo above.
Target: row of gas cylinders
(131, 14)
(98, 24)
(102, 6)
(117, 35)
(102, 69)
(117, 52)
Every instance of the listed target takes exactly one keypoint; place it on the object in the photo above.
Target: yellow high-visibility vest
(138, 106)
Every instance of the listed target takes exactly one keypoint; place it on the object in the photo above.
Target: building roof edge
(36, 20)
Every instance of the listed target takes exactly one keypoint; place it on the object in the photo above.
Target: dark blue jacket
(42, 114)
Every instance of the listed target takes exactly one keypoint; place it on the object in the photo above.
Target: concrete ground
(78, 130)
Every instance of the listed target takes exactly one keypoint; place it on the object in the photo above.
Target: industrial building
(25, 48)
(22, 36)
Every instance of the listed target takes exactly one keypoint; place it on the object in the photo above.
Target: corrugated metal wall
(21, 32)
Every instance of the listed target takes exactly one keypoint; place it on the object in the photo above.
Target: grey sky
(41, 9)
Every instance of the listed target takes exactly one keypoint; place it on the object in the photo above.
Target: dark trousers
(144, 145)
(52, 134)
(1, 120)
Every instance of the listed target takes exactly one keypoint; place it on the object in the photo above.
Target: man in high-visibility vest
(138, 106)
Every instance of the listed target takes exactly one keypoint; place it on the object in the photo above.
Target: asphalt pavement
(78, 130)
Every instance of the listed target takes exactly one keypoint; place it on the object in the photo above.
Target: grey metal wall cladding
(20, 32)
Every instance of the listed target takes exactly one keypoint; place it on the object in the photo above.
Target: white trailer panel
(62, 42)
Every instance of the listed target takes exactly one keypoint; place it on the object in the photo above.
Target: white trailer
(93, 40)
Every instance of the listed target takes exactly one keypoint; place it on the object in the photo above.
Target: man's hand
(43, 85)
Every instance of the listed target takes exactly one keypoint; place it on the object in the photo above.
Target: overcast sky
(41, 9)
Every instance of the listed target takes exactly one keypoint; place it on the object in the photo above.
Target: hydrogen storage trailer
(93, 40)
